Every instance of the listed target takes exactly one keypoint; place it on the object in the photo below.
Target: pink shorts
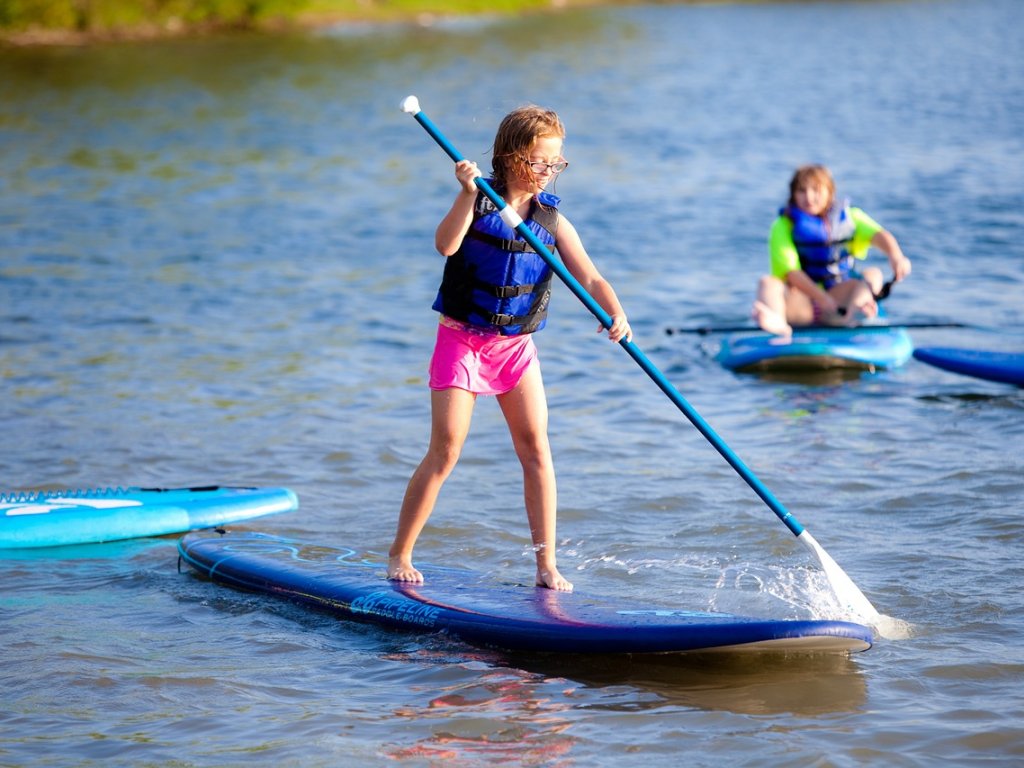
(479, 362)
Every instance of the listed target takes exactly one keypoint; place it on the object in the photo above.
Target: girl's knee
(535, 454)
(442, 457)
(873, 277)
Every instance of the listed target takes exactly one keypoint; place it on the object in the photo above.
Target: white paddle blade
(411, 105)
(852, 598)
(849, 594)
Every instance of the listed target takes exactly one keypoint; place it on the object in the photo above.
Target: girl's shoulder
(549, 199)
(862, 219)
(782, 224)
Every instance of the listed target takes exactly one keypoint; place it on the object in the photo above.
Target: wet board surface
(51, 519)
(865, 348)
(1005, 367)
(482, 611)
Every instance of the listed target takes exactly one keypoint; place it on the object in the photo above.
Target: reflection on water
(103, 553)
(828, 377)
(748, 684)
(519, 707)
(504, 715)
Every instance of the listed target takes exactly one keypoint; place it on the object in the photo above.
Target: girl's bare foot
(401, 569)
(552, 579)
(769, 320)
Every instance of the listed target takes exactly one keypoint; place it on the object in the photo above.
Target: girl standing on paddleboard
(494, 295)
(812, 245)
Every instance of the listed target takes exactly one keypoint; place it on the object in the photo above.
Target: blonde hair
(515, 138)
(817, 174)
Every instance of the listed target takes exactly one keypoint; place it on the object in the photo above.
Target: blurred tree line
(112, 15)
(43, 19)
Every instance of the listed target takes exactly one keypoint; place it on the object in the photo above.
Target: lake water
(217, 268)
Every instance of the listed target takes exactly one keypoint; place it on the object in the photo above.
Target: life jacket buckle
(512, 291)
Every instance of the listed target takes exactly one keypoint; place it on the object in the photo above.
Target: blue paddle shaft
(634, 351)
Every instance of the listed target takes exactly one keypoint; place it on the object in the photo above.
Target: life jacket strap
(507, 291)
(528, 322)
(512, 246)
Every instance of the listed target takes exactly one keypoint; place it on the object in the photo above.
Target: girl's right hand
(827, 305)
(465, 172)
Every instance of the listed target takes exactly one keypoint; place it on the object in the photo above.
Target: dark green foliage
(144, 15)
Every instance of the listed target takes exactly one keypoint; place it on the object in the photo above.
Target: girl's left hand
(620, 329)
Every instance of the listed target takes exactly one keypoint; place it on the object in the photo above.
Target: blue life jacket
(496, 280)
(822, 242)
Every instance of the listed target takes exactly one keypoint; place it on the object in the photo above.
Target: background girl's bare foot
(401, 569)
(769, 320)
(552, 579)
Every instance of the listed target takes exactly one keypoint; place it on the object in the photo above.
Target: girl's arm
(886, 243)
(578, 262)
(801, 281)
(785, 265)
(455, 224)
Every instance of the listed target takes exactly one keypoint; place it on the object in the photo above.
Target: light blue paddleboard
(480, 611)
(59, 518)
(866, 348)
(1005, 367)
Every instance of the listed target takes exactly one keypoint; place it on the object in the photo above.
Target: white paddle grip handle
(411, 105)
(510, 217)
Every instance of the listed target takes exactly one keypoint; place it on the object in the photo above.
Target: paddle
(706, 330)
(848, 592)
(885, 290)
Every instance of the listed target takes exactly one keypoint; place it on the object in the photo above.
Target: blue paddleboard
(868, 347)
(50, 519)
(482, 612)
(1005, 367)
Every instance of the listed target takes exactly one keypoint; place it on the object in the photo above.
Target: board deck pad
(480, 611)
(1004, 367)
(61, 518)
(868, 348)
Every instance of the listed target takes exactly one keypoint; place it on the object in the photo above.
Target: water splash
(796, 593)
